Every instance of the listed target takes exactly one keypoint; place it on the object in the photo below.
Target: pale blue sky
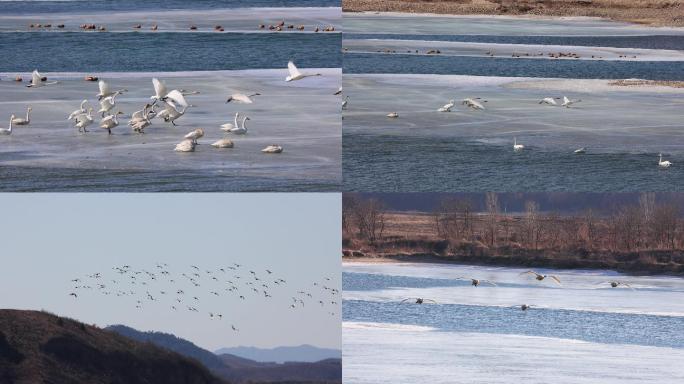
(49, 239)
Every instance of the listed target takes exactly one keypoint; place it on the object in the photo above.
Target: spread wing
(241, 97)
(36, 77)
(294, 72)
(405, 300)
(177, 100)
(159, 88)
(556, 279)
(424, 300)
(532, 272)
(104, 87)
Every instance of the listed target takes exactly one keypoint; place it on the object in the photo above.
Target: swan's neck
(236, 120)
(244, 121)
(10, 126)
(27, 114)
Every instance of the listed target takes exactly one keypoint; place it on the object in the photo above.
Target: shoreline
(498, 261)
(657, 14)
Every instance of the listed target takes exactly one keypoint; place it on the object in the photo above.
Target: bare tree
(492, 206)
(369, 216)
(665, 223)
(531, 225)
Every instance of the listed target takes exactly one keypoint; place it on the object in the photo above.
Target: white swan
(273, 149)
(139, 115)
(110, 122)
(7, 131)
(473, 103)
(22, 121)
(223, 143)
(580, 150)
(170, 114)
(37, 80)
(339, 91)
(105, 90)
(549, 100)
(84, 120)
(517, 147)
(194, 135)
(295, 74)
(240, 130)
(176, 99)
(79, 111)
(108, 103)
(185, 146)
(345, 102)
(447, 107)
(663, 164)
(567, 102)
(242, 98)
(227, 127)
(392, 115)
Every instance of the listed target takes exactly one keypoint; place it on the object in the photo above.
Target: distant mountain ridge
(301, 353)
(238, 369)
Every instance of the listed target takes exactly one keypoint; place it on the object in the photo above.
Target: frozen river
(583, 331)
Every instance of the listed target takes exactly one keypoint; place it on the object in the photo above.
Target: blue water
(393, 163)
(646, 42)
(132, 52)
(601, 327)
(516, 67)
(79, 6)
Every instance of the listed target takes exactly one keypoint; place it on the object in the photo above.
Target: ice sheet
(383, 353)
(301, 116)
(418, 24)
(414, 47)
(231, 19)
(609, 119)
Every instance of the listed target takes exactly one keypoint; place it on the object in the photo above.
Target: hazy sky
(49, 239)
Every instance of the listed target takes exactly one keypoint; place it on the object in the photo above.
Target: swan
(517, 147)
(139, 115)
(339, 91)
(194, 135)
(140, 125)
(22, 121)
(105, 90)
(567, 102)
(541, 277)
(84, 120)
(108, 103)
(273, 148)
(549, 100)
(223, 143)
(580, 150)
(110, 122)
(476, 282)
(295, 74)
(170, 114)
(616, 284)
(186, 145)
(79, 111)
(240, 130)
(345, 102)
(242, 98)
(392, 115)
(37, 80)
(227, 127)
(663, 164)
(7, 131)
(418, 300)
(447, 107)
(473, 103)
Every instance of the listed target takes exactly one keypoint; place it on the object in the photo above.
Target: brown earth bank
(42, 348)
(648, 12)
(645, 239)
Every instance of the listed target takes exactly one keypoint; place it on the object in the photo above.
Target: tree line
(646, 225)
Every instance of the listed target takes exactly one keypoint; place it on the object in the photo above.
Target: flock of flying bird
(523, 307)
(166, 105)
(197, 289)
(476, 103)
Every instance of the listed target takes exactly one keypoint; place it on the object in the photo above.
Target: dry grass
(647, 83)
(648, 12)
